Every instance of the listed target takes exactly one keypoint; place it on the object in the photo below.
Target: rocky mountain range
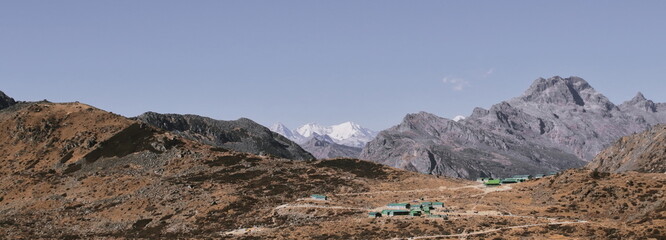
(347, 133)
(72, 171)
(243, 135)
(341, 140)
(558, 123)
(5, 101)
(641, 152)
(323, 147)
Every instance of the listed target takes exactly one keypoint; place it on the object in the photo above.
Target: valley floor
(473, 211)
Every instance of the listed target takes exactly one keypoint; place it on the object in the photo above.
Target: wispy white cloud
(457, 84)
(489, 72)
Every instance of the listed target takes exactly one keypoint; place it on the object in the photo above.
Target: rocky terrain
(323, 147)
(243, 135)
(77, 171)
(5, 101)
(642, 152)
(558, 123)
(71, 171)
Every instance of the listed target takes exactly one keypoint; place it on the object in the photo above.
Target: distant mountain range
(342, 140)
(558, 123)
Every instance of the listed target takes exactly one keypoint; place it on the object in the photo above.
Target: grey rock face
(323, 147)
(243, 135)
(558, 123)
(5, 101)
(430, 144)
(644, 110)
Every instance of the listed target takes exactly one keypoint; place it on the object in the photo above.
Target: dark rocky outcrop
(243, 135)
(642, 152)
(5, 101)
(323, 147)
(558, 123)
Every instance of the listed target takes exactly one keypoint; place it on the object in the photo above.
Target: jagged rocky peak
(412, 120)
(412, 117)
(638, 98)
(642, 103)
(5, 101)
(565, 91)
(479, 113)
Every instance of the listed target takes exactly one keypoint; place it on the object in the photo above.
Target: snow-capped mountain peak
(308, 129)
(347, 133)
(351, 134)
(282, 130)
(458, 118)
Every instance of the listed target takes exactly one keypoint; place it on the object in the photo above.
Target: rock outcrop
(243, 135)
(558, 123)
(641, 152)
(323, 147)
(5, 101)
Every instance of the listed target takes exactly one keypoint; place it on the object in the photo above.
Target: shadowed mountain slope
(243, 135)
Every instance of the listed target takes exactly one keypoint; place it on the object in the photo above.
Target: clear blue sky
(296, 62)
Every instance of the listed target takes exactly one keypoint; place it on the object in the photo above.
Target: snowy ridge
(347, 133)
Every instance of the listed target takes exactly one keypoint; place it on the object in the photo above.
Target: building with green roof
(522, 178)
(318, 197)
(392, 212)
(414, 213)
(399, 205)
(493, 182)
(509, 180)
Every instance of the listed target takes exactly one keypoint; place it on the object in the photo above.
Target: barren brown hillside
(641, 152)
(74, 171)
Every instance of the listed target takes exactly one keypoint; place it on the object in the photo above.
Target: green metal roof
(395, 211)
(438, 203)
(522, 176)
(317, 196)
(509, 180)
(398, 204)
(493, 182)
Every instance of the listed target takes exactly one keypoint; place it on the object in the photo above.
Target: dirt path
(495, 230)
(317, 206)
(408, 191)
